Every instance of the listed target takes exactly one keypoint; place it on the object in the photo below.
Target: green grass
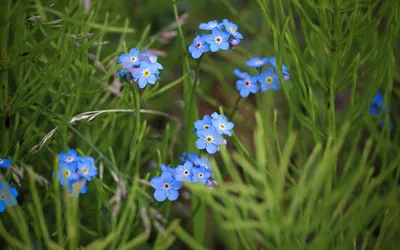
(303, 169)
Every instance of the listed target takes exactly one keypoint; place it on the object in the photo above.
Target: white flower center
(200, 175)
(133, 59)
(166, 186)
(213, 25)
(84, 170)
(218, 39)
(209, 139)
(70, 159)
(186, 172)
(269, 80)
(222, 126)
(206, 127)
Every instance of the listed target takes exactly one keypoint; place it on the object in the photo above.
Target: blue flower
(210, 25)
(146, 74)
(201, 175)
(77, 187)
(86, 168)
(241, 75)
(192, 157)
(376, 104)
(285, 71)
(67, 171)
(8, 196)
(247, 85)
(203, 162)
(165, 168)
(232, 29)
(218, 40)
(131, 59)
(198, 47)
(269, 80)
(166, 187)
(204, 124)
(221, 124)
(5, 163)
(209, 140)
(257, 62)
(69, 157)
(184, 172)
(153, 59)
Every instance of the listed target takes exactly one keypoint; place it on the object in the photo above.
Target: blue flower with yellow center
(146, 73)
(269, 80)
(218, 40)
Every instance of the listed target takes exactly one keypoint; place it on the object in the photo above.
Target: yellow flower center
(218, 39)
(232, 30)
(66, 173)
(84, 170)
(209, 139)
(206, 127)
(269, 80)
(146, 72)
(222, 126)
(133, 59)
(76, 187)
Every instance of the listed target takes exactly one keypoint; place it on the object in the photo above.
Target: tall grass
(306, 168)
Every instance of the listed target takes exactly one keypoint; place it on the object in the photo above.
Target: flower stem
(193, 93)
(235, 107)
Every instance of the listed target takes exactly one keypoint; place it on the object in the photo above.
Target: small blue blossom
(285, 71)
(146, 73)
(269, 80)
(231, 28)
(376, 104)
(165, 168)
(201, 175)
(257, 62)
(153, 59)
(209, 140)
(218, 40)
(86, 168)
(199, 46)
(69, 157)
(166, 187)
(131, 59)
(247, 85)
(203, 162)
(67, 171)
(221, 124)
(8, 196)
(77, 187)
(241, 75)
(5, 163)
(210, 25)
(184, 172)
(192, 157)
(204, 124)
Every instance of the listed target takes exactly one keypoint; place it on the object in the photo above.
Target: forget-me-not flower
(231, 28)
(69, 157)
(86, 168)
(201, 174)
(210, 25)
(199, 46)
(203, 124)
(131, 59)
(146, 73)
(184, 172)
(67, 171)
(269, 80)
(209, 140)
(285, 71)
(8, 196)
(77, 187)
(221, 124)
(166, 187)
(5, 163)
(165, 168)
(203, 162)
(257, 62)
(218, 40)
(240, 74)
(247, 85)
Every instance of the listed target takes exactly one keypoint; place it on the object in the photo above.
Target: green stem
(235, 107)
(193, 94)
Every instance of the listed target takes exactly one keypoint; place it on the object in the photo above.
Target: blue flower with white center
(8, 196)
(86, 168)
(232, 29)
(218, 40)
(5, 163)
(166, 187)
(201, 175)
(198, 47)
(165, 168)
(131, 59)
(209, 140)
(69, 157)
(153, 59)
(184, 172)
(210, 25)
(204, 124)
(285, 71)
(269, 80)
(67, 171)
(77, 187)
(221, 124)
(240, 74)
(247, 86)
(257, 62)
(146, 73)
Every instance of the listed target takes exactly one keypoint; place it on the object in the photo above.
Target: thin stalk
(235, 107)
(193, 93)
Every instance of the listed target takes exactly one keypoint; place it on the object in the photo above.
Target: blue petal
(196, 53)
(172, 195)
(214, 47)
(176, 184)
(244, 92)
(152, 79)
(156, 182)
(142, 82)
(160, 195)
(211, 148)
(224, 45)
(201, 144)
(167, 176)
(2, 206)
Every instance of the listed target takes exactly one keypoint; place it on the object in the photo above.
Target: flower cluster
(141, 67)
(224, 36)
(8, 196)
(210, 131)
(268, 79)
(376, 107)
(5, 163)
(193, 169)
(75, 171)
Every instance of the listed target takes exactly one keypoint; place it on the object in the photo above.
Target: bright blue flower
(209, 140)
(199, 46)
(257, 62)
(8, 196)
(131, 59)
(247, 86)
(218, 40)
(166, 187)
(232, 29)
(86, 168)
(221, 124)
(201, 175)
(269, 80)
(192, 157)
(203, 162)
(204, 124)
(77, 187)
(376, 104)
(146, 73)
(285, 71)
(5, 163)
(165, 168)
(67, 171)
(241, 75)
(210, 25)
(184, 172)
(153, 59)
(69, 157)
